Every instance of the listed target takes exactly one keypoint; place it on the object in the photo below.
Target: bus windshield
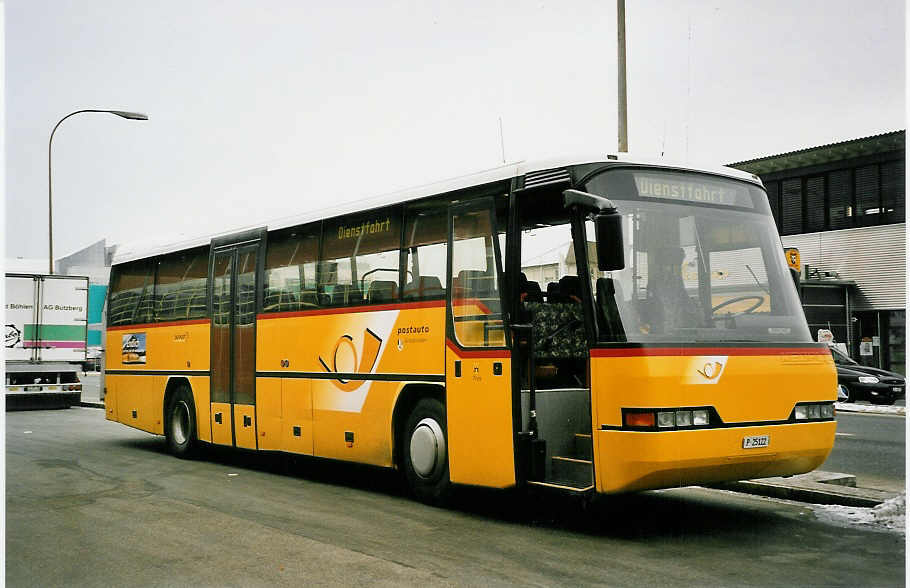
(703, 263)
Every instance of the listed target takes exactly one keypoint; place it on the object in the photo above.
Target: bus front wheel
(180, 424)
(425, 452)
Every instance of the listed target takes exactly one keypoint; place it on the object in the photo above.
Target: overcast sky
(265, 109)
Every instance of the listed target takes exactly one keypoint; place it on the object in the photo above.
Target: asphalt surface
(94, 503)
(873, 448)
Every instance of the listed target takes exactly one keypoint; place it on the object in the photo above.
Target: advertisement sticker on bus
(133, 348)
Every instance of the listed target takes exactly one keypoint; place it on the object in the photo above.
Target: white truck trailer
(46, 320)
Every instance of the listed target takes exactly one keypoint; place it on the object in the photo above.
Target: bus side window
(179, 278)
(425, 252)
(131, 284)
(290, 270)
(358, 251)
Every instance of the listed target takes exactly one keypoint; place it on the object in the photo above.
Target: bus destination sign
(678, 187)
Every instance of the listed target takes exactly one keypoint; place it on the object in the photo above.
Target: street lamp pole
(50, 199)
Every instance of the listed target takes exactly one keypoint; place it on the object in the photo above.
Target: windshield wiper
(754, 277)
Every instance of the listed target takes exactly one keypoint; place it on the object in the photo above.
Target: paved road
(872, 447)
(94, 503)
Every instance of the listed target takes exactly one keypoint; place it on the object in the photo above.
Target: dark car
(859, 382)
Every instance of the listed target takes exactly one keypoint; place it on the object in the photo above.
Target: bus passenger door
(233, 381)
(478, 360)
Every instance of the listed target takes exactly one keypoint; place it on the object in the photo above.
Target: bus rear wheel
(180, 423)
(424, 450)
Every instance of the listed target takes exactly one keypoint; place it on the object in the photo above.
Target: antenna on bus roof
(502, 142)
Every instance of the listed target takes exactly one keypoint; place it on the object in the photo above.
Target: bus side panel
(340, 418)
(268, 413)
(139, 400)
(245, 425)
(403, 340)
(200, 387)
(297, 415)
(110, 398)
(221, 423)
(479, 420)
(177, 347)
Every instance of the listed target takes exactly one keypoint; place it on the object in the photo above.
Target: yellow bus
(602, 325)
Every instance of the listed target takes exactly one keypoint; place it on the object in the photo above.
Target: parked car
(860, 382)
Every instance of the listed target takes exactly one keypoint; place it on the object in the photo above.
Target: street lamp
(50, 215)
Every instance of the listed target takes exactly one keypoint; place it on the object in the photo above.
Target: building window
(840, 200)
(773, 189)
(892, 182)
(868, 202)
(792, 206)
(815, 204)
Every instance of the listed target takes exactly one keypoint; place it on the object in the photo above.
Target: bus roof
(140, 250)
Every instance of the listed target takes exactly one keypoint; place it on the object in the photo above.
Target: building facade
(843, 206)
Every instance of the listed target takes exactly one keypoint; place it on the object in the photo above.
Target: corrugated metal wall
(874, 257)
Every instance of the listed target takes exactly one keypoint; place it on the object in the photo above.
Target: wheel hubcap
(428, 448)
(180, 422)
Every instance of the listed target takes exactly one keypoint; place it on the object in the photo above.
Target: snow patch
(889, 515)
(871, 408)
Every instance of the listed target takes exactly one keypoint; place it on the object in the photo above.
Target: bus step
(583, 447)
(578, 472)
(565, 486)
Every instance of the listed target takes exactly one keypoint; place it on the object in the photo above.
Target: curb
(815, 487)
(91, 404)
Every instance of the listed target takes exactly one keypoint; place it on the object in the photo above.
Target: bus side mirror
(608, 232)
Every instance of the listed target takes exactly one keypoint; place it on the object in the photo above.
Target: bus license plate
(755, 441)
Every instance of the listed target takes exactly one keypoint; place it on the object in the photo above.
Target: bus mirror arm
(607, 227)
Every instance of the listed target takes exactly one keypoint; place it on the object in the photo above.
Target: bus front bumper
(628, 461)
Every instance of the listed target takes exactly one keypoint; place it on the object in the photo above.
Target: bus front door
(233, 344)
(478, 360)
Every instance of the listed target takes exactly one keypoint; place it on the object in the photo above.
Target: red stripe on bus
(153, 325)
(478, 353)
(352, 309)
(695, 351)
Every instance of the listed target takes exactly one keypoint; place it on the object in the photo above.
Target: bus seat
(382, 291)
(424, 287)
(309, 299)
(346, 295)
(270, 302)
(553, 293)
(475, 283)
(164, 310)
(533, 293)
(570, 288)
(287, 300)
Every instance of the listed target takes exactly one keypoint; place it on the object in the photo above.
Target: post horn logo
(371, 344)
(711, 370)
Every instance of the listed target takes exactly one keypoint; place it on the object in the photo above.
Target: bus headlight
(813, 411)
(699, 418)
(666, 419)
